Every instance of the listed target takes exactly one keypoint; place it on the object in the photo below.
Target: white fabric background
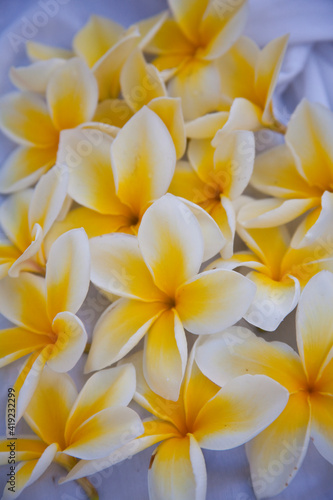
(307, 71)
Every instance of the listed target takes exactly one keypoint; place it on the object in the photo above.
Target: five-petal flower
(308, 378)
(298, 175)
(43, 310)
(26, 218)
(71, 426)
(280, 272)
(216, 178)
(35, 124)
(204, 416)
(190, 43)
(156, 274)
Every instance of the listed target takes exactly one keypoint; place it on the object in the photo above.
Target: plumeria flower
(26, 218)
(277, 453)
(190, 43)
(215, 178)
(299, 177)
(248, 79)
(142, 85)
(35, 124)
(70, 426)
(280, 272)
(102, 43)
(43, 312)
(156, 276)
(205, 416)
(116, 189)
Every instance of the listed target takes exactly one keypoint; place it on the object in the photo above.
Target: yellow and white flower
(26, 218)
(277, 453)
(205, 416)
(70, 426)
(35, 124)
(102, 43)
(248, 78)
(280, 272)
(189, 44)
(299, 177)
(115, 189)
(43, 310)
(156, 274)
(216, 178)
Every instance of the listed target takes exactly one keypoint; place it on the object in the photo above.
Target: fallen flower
(308, 378)
(43, 310)
(25, 117)
(190, 43)
(26, 218)
(299, 176)
(156, 274)
(205, 416)
(71, 425)
(215, 178)
(280, 272)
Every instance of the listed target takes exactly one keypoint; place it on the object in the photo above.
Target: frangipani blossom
(308, 378)
(142, 85)
(190, 43)
(102, 43)
(156, 276)
(299, 175)
(205, 416)
(35, 124)
(215, 178)
(43, 310)
(248, 79)
(26, 218)
(116, 180)
(279, 271)
(71, 425)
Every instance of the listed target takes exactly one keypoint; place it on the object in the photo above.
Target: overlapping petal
(248, 404)
(68, 273)
(171, 243)
(213, 300)
(119, 329)
(178, 471)
(149, 162)
(165, 355)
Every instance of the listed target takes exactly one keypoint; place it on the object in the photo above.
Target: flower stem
(87, 348)
(89, 489)
(68, 463)
(278, 127)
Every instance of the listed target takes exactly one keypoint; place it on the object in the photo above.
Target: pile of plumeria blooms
(134, 150)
